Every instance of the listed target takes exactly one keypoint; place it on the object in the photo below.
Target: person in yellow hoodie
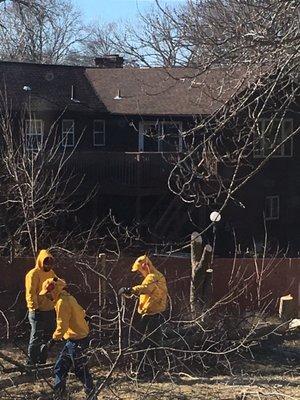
(153, 295)
(41, 312)
(72, 326)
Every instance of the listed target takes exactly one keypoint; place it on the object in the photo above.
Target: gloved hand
(88, 318)
(50, 343)
(47, 346)
(45, 349)
(124, 290)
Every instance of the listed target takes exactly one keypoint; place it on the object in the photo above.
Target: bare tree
(246, 61)
(245, 56)
(97, 42)
(40, 185)
(42, 32)
(21, 2)
(155, 40)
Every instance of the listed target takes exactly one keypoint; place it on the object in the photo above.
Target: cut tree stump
(287, 308)
(201, 281)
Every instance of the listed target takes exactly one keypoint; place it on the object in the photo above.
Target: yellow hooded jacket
(153, 290)
(33, 284)
(70, 316)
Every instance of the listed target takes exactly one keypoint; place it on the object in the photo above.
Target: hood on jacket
(54, 286)
(43, 254)
(139, 265)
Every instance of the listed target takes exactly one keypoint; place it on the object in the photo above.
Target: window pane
(68, 126)
(34, 127)
(68, 139)
(99, 139)
(272, 207)
(151, 136)
(268, 208)
(271, 134)
(287, 130)
(99, 132)
(34, 142)
(275, 207)
(170, 137)
(276, 137)
(34, 133)
(99, 126)
(39, 127)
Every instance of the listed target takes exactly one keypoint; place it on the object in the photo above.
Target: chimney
(109, 61)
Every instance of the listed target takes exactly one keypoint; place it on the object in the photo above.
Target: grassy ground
(268, 374)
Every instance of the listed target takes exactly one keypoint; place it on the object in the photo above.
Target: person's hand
(45, 348)
(50, 343)
(124, 290)
(88, 318)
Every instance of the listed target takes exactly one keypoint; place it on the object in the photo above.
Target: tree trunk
(201, 282)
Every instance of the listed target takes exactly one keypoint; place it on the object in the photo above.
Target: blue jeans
(42, 327)
(73, 355)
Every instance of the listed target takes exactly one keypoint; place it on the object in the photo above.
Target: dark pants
(42, 328)
(73, 355)
(150, 338)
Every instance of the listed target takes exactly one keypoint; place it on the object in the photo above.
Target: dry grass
(179, 388)
(254, 380)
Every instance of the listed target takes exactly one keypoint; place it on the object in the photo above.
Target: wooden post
(201, 282)
(101, 290)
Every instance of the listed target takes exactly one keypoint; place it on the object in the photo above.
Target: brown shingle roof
(51, 87)
(159, 91)
(143, 91)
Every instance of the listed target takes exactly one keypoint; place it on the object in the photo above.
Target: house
(125, 127)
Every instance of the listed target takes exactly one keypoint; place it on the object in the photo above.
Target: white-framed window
(99, 132)
(149, 132)
(272, 208)
(160, 136)
(34, 129)
(270, 133)
(68, 132)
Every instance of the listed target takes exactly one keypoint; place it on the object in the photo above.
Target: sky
(115, 10)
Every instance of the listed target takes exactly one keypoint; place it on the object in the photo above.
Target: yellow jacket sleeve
(31, 285)
(147, 286)
(63, 315)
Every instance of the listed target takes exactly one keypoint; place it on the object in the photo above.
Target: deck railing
(129, 169)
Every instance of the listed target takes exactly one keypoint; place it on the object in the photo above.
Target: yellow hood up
(140, 261)
(54, 286)
(34, 281)
(70, 316)
(41, 257)
(153, 291)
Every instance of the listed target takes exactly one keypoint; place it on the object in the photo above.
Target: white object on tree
(215, 216)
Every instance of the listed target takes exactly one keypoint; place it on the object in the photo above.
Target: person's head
(48, 263)
(52, 288)
(45, 260)
(143, 265)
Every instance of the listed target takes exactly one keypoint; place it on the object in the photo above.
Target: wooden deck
(126, 173)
